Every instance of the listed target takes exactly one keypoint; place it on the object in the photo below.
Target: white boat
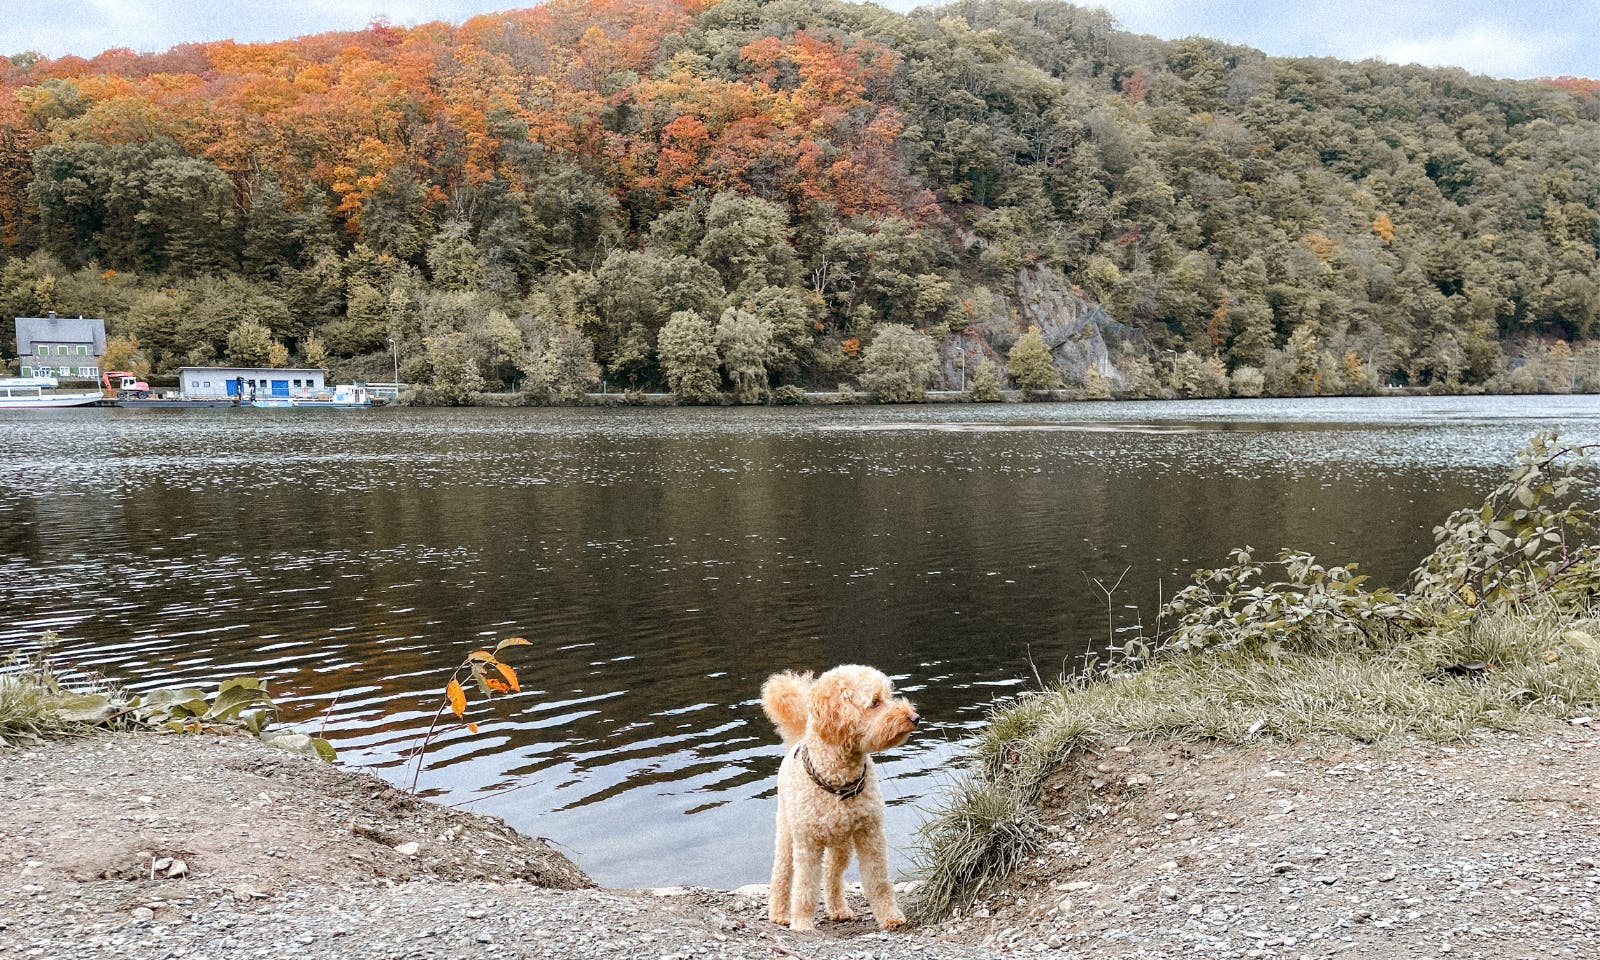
(28, 393)
(343, 395)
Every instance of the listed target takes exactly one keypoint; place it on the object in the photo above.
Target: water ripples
(665, 561)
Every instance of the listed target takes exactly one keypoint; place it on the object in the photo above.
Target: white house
(206, 383)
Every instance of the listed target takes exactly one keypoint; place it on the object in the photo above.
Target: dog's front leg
(874, 853)
(833, 865)
(807, 884)
(782, 871)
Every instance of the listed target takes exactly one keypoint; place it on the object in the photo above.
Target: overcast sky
(1508, 38)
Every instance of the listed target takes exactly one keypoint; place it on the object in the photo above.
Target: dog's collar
(843, 791)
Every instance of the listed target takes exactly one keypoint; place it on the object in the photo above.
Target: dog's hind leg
(807, 885)
(833, 864)
(782, 871)
(874, 853)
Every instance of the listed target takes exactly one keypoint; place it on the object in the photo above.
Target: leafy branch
(489, 673)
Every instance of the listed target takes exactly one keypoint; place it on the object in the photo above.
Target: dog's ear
(835, 715)
(784, 697)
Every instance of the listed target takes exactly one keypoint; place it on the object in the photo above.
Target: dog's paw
(895, 922)
(841, 914)
(781, 919)
(801, 924)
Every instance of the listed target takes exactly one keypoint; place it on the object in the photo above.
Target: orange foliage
(810, 120)
(1583, 86)
(1384, 228)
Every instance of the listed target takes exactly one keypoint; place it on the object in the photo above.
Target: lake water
(663, 562)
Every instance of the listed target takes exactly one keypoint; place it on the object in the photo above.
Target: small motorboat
(28, 393)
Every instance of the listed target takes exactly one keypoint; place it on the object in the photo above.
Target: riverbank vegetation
(731, 198)
(39, 703)
(1498, 628)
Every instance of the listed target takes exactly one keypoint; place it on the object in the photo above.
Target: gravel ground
(1487, 849)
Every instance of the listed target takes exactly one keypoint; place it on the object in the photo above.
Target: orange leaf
(511, 642)
(457, 697)
(473, 727)
(482, 656)
(509, 674)
(499, 686)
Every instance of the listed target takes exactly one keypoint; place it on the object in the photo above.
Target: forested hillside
(737, 196)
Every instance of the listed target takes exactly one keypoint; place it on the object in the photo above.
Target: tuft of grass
(1543, 665)
(32, 703)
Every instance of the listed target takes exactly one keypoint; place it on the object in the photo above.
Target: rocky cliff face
(1080, 334)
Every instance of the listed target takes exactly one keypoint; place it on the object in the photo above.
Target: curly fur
(842, 717)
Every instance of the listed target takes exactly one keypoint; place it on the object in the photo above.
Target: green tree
(985, 385)
(689, 360)
(1032, 365)
(744, 341)
(454, 376)
(747, 240)
(313, 352)
(454, 260)
(565, 368)
(899, 364)
(250, 345)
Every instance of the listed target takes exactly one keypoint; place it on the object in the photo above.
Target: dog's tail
(783, 697)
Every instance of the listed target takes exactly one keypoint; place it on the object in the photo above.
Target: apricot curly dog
(828, 797)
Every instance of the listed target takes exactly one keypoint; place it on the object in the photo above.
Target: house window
(194, 384)
(89, 371)
(82, 350)
(27, 371)
(44, 371)
(44, 351)
(208, 384)
(61, 351)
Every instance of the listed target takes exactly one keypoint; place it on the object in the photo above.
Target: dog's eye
(875, 701)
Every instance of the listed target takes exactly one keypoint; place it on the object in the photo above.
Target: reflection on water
(665, 561)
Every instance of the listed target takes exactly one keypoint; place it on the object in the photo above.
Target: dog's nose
(915, 719)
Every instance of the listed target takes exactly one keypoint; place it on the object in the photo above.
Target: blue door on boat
(280, 388)
(233, 386)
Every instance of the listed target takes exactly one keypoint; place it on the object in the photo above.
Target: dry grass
(31, 701)
(1544, 665)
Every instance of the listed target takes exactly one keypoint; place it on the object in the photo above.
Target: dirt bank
(141, 845)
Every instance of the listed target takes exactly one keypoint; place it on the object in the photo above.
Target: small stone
(1065, 906)
(1138, 780)
(1168, 893)
(178, 868)
(485, 938)
(143, 914)
(408, 849)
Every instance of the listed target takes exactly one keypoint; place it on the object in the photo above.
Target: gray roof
(32, 330)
